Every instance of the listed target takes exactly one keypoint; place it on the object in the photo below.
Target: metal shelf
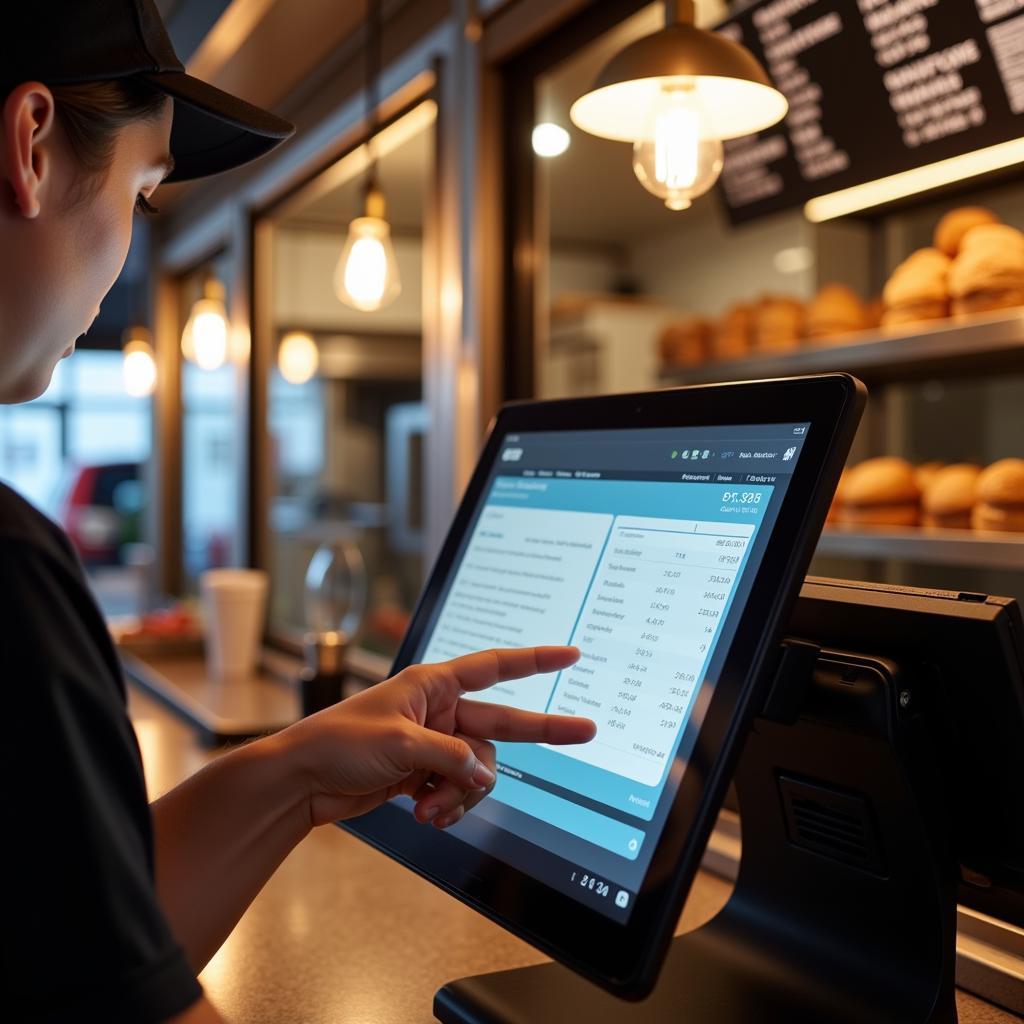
(975, 345)
(926, 546)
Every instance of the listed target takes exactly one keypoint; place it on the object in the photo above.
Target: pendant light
(139, 364)
(298, 357)
(366, 277)
(676, 94)
(204, 341)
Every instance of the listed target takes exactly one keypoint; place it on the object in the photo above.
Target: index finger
(485, 668)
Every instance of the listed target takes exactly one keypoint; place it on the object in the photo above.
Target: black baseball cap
(64, 42)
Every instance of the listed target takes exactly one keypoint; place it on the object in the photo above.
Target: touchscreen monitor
(664, 535)
(638, 547)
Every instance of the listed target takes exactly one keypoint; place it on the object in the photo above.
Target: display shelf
(975, 345)
(926, 546)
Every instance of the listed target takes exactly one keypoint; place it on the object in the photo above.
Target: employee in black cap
(111, 907)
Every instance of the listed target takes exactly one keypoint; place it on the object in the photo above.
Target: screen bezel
(625, 958)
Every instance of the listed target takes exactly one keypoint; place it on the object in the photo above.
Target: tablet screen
(639, 547)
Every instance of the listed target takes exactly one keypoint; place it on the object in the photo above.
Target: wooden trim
(241, 316)
(259, 483)
(165, 469)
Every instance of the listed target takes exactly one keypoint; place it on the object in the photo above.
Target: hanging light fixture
(367, 273)
(298, 357)
(549, 139)
(204, 341)
(676, 94)
(139, 364)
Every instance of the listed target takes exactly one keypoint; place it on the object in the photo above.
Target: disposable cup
(234, 601)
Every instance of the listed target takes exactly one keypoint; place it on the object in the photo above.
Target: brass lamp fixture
(676, 94)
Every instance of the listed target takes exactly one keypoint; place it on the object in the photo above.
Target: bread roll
(685, 343)
(948, 500)
(836, 309)
(988, 273)
(778, 324)
(918, 289)
(924, 474)
(732, 338)
(1000, 497)
(954, 225)
(881, 492)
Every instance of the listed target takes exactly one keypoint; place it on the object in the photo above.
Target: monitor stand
(844, 909)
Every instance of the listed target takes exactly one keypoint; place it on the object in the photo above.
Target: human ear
(28, 116)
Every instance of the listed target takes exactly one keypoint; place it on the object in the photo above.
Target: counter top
(342, 933)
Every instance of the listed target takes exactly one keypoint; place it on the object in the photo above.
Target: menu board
(874, 87)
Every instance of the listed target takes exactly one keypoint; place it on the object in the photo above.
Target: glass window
(77, 452)
(345, 417)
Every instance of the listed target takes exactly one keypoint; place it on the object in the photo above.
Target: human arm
(221, 834)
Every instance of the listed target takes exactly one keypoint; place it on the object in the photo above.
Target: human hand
(416, 735)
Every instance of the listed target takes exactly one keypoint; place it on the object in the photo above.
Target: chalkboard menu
(874, 87)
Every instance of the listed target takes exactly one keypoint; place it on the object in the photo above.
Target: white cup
(234, 601)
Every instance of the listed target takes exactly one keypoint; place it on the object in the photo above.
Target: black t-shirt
(84, 937)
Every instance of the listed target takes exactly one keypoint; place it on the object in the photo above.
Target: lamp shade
(729, 82)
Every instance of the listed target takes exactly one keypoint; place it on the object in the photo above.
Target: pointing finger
(485, 668)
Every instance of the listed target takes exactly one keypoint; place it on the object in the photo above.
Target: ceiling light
(298, 357)
(204, 341)
(550, 139)
(676, 94)
(139, 365)
(366, 276)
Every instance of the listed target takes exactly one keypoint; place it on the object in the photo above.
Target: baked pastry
(988, 272)
(952, 227)
(925, 473)
(918, 289)
(881, 492)
(732, 335)
(948, 500)
(874, 310)
(685, 343)
(778, 324)
(836, 309)
(1000, 497)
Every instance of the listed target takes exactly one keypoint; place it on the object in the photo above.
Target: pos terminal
(666, 534)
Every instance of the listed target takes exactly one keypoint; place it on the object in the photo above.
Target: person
(112, 907)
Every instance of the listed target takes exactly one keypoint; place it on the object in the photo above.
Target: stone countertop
(341, 933)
